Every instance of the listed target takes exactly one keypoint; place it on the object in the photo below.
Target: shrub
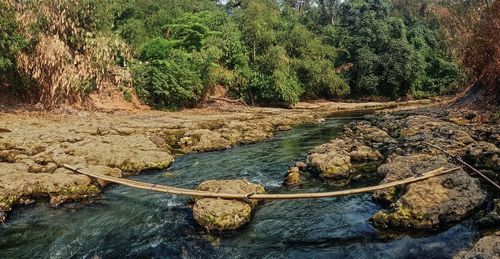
(172, 83)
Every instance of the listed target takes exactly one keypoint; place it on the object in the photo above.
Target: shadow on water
(127, 222)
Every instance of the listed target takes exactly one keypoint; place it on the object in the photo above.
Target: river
(126, 222)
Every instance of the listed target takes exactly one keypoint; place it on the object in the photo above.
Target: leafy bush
(172, 83)
(275, 82)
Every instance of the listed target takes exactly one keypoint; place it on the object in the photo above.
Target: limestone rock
(293, 177)
(417, 129)
(219, 214)
(333, 160)
(486, 247)
(364, 153)
(368, 133)
(222, 214)
(428, 204)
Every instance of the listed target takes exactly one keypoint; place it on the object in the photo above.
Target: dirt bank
(35, 144)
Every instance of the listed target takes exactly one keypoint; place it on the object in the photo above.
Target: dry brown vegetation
(472, 31)
(68, 59)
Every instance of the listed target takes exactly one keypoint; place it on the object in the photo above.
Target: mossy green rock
(428, 204)
(222, 214)
(219, 214)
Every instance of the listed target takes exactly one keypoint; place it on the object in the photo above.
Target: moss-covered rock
(222, 214)
(334, 160)
(219, 214)
(428, 204)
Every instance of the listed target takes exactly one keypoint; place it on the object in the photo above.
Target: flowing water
(126, 222)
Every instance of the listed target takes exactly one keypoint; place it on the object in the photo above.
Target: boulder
(486, 247)
(333, 160)
(219, 214)
(428, 204)
(330, 165)
(293, 177)
(223, 214)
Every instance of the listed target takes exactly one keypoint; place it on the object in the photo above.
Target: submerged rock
(486, 247)
(428, 204)
(223, 214)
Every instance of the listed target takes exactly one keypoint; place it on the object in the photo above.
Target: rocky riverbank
(399, 141)
(35, 145)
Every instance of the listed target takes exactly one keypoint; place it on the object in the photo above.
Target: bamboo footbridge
(259, 196)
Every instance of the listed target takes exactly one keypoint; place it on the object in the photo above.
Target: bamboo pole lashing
(260, 196)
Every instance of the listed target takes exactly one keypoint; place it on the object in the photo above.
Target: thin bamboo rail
(189, 192)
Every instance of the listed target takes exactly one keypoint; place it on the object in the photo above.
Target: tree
(257, 20)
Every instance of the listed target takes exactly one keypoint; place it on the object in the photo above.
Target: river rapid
(126, 222)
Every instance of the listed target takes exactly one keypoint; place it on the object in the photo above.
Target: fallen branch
(464, 163)
(265, 196)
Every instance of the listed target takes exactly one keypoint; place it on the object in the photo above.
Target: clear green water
(126, 222)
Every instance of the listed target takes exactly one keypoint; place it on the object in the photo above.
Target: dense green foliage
(268, 51)
(392, 55)
(11, 42)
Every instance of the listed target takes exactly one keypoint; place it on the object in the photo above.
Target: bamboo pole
(464, 163)
(189, 192)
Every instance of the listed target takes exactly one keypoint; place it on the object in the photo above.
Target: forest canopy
(174, 53)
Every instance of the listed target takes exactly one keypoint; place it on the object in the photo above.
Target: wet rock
(301, 165)
(428, 204)
(491, 219)
(16, 187)
(293, 177)
(486, 247)
(219, 214)
(3, 217)
(483, 155)
(222, 214)
(330, 163)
